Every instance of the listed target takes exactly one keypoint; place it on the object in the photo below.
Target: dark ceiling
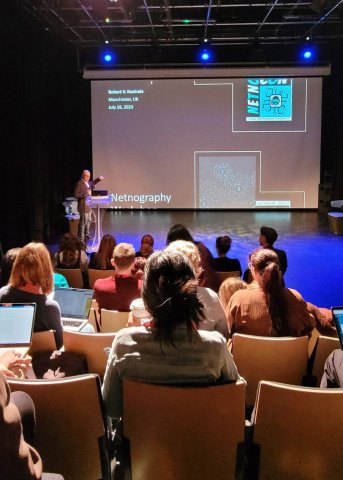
(164, 23)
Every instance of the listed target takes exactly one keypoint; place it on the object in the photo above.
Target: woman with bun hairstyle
(169, 349)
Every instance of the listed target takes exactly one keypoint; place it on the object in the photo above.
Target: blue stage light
(205, 55)
(107, 57)
(308, 53)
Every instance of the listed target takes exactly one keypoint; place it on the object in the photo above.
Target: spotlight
(308, 53)
(205, 55)
(107, 57)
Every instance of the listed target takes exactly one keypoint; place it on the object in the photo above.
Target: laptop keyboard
(72, 323)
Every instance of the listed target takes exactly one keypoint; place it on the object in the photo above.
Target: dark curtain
(46, 133)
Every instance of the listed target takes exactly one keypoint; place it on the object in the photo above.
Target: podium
(98, 205)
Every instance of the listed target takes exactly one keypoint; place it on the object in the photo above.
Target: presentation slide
(208, 143)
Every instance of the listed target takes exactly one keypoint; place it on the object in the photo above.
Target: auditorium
(171, 239)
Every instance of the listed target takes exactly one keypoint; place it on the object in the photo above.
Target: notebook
(75, 304)
(337, 313)
(16, 325)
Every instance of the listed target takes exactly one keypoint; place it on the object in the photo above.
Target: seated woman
(101, 260)
(214, 315)
(70, 253)
(171, 349)
(31, 281)
(208, 277)
(147, 246)
(7, 264)
(266, 307)
(228, 288)
(223, 263)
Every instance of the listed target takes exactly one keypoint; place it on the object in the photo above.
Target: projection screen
(208, 139)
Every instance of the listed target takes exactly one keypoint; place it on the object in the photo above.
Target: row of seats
(280, 359)
(297, 432)
(75, 279)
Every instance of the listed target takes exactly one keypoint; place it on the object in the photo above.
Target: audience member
(333, 371)
(18, 459)
(101, 260)
(70, 253)
(267, 238)
(208, 277)
(117, 291)
(6, 265)
(60, 281)
(171, 350)
(31, 281)
(13, 364)
(223, 263)
(266, 307)
(214, 315)
(228, 287)
(147, 246)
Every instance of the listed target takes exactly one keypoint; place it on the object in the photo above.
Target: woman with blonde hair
(214, 315)
(228, 287)
(31, 281)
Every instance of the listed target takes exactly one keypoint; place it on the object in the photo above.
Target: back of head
(7, 264)
(223, 244)
(69, 249)
(190, 250)
(105, 251)
(170, 293)
(179, 232)
(228, 287)
(123, 255)
(270, 235)
(266, 271)
(69, 242)
(33, 265)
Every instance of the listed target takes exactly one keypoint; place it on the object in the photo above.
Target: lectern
(98, 205)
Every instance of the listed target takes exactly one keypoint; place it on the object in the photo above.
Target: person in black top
(267, 238)
(223, 263)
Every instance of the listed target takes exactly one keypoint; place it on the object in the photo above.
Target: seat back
(299, 431)
(70, 428)
(42, 342)
(279, 359)
(94, 274)
(323, 348)
(183, 432)
(92, 345)
(112, 320)
(73, 276)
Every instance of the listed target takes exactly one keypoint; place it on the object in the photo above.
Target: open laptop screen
(16, 324)
(74, 302)
(338, 319)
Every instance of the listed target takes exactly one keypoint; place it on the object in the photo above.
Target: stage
(314, 253)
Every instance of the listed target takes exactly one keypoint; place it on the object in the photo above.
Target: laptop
(75, 304)
(16, 326)
(337, 313)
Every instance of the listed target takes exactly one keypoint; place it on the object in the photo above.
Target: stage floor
(314, 253)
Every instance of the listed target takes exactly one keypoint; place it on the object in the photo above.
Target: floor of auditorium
(315, 266)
